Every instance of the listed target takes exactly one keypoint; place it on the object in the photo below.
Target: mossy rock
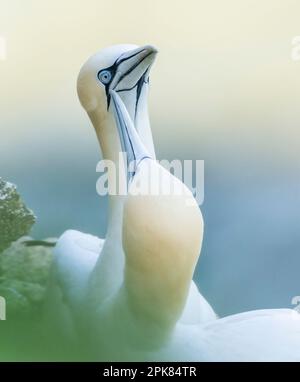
(24, 277)
(16, 219)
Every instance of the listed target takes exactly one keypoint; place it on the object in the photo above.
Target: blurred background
(223, 89)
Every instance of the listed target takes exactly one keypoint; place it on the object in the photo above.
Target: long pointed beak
(132, 66)
(130, 140)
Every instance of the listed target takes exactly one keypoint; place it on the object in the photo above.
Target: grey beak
(130, 140)
(132, 66)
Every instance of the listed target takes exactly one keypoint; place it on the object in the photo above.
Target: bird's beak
(132, 70)
(133, 66)
(130, 140)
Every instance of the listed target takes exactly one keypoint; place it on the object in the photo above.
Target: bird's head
(112, 87)
(123, 69)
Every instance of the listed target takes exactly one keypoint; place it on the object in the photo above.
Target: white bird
(88, 271)
(136, 300)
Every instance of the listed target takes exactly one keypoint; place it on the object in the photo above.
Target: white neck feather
(108, 273)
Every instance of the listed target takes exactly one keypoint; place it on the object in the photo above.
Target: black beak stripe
(113, 70)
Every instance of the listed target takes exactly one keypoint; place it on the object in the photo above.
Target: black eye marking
(105, 76)
(112, 70)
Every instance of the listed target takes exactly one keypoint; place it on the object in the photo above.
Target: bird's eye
(104, 76)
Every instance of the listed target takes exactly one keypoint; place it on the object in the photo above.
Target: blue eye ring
(105, 76)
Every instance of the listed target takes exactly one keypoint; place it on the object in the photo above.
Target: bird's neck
(114, 165)
(112, 256)
(109, 140)
(162, 239)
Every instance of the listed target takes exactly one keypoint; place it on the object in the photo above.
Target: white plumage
(131, 296)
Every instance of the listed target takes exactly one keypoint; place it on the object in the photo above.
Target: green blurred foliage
(24, 270)
(16, 219)
(24, 273)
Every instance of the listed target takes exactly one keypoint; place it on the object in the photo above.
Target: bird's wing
(197, 310)
(75, 255)
(262, 335)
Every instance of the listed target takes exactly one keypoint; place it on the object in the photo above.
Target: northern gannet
(90, 273)
(127, 293)
(160, 260)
